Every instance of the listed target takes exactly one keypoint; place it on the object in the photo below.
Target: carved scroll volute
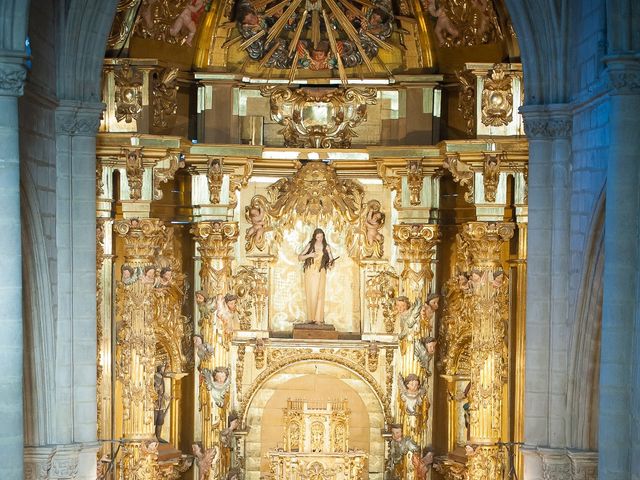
(171, 163)
(461, 173)
(134, 171)
(215, 244)
(135, 310)
(491, 174)
(416, 243)
(414, 181)
(488, 350)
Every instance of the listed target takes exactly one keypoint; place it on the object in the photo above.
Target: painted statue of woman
(317, 258)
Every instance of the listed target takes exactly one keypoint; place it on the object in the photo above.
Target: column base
(76, 461)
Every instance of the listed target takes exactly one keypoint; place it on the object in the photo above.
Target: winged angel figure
(217, 382)
(412, 393)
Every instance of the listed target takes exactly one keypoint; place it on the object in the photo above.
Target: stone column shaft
(12, 76)
(619, 444)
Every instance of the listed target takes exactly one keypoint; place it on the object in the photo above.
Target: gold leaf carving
(381, 291)
(128, 92)
(461, 173)
(497, 98)
(315, 195)
(491, 174)
(214, 177)
(163, 175)
(134, 170)
(165, 92)
(319, 120)
(467, 99)
(414, 181)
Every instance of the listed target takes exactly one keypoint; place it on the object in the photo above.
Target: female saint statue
(317, 258)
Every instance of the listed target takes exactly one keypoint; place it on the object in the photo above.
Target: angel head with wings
(412, 393)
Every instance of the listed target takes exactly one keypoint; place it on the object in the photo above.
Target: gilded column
(216, 240)
(136, 341)
(489, 356)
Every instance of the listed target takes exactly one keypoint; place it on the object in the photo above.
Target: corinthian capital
(216, 238)
(12, 77)
(416, 241)
(484, 241)
(142, 237)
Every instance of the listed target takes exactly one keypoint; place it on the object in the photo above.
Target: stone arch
(584, 353)
(300, 370)
(84, 27)
(39, 354)
(541, 26)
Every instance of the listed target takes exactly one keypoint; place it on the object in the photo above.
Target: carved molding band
(547, 121)
(623, 75)
(78, 119)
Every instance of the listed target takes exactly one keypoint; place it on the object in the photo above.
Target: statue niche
(280, 224)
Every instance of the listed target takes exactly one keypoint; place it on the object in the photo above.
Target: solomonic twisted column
(489, 317)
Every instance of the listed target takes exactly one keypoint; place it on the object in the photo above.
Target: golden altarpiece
(232, 131)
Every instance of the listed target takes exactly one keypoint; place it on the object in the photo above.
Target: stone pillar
(548, 129)
(136, 342)
(12, 76)
(489, 356)
(619, 424)
(216, 240)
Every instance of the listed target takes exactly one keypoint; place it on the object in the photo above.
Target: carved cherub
(129, 275)
(226, 435)
(217, 382)
(202, 348)
(424, 351)
(409, 316)
(374, 222)
(398, 448)
(188, 20)
(207, 461)
(444, 29)
(412, 393)
(205, 305)
(255, 214)
(422, 465)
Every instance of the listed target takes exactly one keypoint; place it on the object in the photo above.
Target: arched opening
(318, 381)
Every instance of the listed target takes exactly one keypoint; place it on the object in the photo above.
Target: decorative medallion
(497, 98)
